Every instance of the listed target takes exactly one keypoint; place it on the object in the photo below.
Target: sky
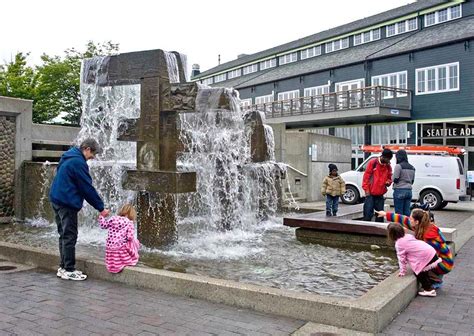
(200, 29)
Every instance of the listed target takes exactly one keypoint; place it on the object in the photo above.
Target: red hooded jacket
(377, 177)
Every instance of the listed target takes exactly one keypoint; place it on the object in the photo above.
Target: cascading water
(46, 178)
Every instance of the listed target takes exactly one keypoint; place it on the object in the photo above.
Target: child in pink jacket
(121, 246)
(419, 255)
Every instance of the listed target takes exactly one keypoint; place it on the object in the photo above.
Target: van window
(461, 169)
(363, 166)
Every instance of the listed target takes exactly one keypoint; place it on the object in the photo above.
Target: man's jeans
(332, 203)
(66, 220)
(373, 203)
(402, 201)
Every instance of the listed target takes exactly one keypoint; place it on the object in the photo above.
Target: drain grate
(7, 268)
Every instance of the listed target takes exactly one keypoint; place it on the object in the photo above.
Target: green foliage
(53, 85)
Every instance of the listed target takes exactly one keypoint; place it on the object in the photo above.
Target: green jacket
(333, 185)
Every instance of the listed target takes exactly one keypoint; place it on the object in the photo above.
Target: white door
(354, 97)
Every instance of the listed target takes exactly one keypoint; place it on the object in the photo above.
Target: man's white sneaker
(75, 275)
(60, 272)
(427, 293)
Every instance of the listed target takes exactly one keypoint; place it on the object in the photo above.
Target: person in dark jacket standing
(71, 185)
(403, 179)
(377, 177)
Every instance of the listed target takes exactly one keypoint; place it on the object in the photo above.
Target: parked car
(439, 180)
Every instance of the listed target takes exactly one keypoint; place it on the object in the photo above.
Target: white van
(439, 179)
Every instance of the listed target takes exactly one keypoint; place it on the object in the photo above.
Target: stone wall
(7, 165)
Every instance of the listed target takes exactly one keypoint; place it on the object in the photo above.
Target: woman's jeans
(402, 200)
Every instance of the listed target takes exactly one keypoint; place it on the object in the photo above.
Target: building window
(289, 95)
(264, 99)
(368, 36)
(394, 80)
(440, 78)
(246, 102)
(443, 15)
(288, 58)
(270, 63)
(208, 81)
(310, 52)
(220, 78)
(337, 45)
(316, 90)
(234, 73)
(389, 134)
(402, 27)
(250, 69)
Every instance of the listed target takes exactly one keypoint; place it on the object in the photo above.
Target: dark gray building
(405, 76)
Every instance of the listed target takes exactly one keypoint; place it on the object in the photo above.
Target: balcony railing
(373, 96)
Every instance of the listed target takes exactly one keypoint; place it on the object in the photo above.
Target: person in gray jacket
(403, 179)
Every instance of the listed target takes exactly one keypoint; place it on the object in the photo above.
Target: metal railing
(372, 96)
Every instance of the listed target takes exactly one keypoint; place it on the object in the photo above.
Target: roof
(449, 32)
(333, 32)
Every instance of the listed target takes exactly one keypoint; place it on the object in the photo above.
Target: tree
(59, 81)
(17, 79)
(54, 85)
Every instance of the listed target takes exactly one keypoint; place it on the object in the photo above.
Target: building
(405, 76)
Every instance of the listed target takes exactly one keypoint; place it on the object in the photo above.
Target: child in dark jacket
(333, 187)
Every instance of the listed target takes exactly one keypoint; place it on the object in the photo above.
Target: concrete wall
(15, 146)
(53, 134)
(293, 148)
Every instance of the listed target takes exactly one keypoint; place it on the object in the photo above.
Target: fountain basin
(369, 313)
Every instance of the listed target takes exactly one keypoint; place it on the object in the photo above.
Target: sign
(470, 176)
(395, 112)
(448, 132)
(314, 152)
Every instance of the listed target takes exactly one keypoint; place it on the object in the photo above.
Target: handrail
(296, 170)
(371, 96)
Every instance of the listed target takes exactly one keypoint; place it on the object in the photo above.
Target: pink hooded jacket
(416, 252)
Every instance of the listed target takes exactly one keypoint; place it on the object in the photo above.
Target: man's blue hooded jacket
(73, 183)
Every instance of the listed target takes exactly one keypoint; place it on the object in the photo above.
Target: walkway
(37, 303)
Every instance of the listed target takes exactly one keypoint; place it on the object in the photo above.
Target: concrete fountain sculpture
(164, 95)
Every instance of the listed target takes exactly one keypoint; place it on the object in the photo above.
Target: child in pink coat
(121, 246)
(419, 255)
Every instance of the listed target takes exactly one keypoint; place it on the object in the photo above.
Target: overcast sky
(201, 29)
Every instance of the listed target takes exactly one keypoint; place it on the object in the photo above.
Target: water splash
(172, 65)
(46, 178)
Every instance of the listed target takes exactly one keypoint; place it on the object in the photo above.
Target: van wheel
(443, 205)
(351, 196)
(432, 198)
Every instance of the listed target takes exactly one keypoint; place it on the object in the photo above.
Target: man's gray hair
(90, 143)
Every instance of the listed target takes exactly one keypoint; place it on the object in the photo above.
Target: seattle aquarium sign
(448, 132)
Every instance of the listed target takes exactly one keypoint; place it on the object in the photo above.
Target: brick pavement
(37, 303)
(451, 312)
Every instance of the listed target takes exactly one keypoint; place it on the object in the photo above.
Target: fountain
(176, 130)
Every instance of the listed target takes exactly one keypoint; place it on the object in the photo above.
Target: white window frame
(250, 69)
(264, 99)
(220, 78)
(288, 58)
(448, 18)
(361, 82)
(363, 38)
(405, 24)
(336, 45)
(234, 73)
(293, 94)
(448, 77)
(246, 102)
(267, 64)
(305, 53)
(208, 81)
(389, 78)
(324, 89)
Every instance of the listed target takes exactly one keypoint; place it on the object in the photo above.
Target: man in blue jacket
(71, 185)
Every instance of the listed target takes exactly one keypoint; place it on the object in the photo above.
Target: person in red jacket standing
(377, 177)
